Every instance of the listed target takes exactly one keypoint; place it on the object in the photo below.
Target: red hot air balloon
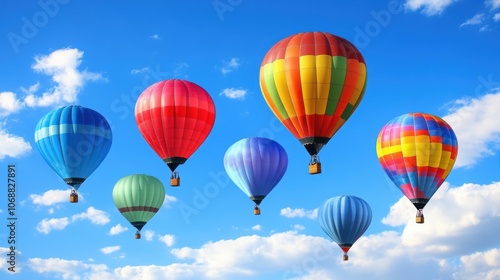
(175, 117)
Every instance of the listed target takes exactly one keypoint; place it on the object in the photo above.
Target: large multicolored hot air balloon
(345, 219)
(256, 165)
(313, 82)
(138, 197)
(417, 151)
(73, 140)
(175, 117)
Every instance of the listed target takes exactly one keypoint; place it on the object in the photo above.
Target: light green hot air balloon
(138, 197)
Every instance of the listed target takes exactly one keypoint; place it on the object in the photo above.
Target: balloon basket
(256, 211)
(315, 168)
(73, 198)
(175, 182)
(345, 257)
(419, 219)
(137, 236)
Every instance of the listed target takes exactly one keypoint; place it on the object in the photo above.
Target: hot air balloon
(73, 140)
(138, 197)
(417, 151)
(256, 165)
(175, 117)
(345, 219)
(313, 82)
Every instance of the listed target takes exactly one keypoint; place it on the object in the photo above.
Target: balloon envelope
(175, 117)
(256, 165)
(313, 82)
(138, 197)
(345, 219)
(417, 151)
(73, 140)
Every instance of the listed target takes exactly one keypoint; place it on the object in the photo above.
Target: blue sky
(436, 56)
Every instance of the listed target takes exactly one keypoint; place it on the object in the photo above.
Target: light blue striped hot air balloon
(345, 219)
(73, 140)
(256, 165)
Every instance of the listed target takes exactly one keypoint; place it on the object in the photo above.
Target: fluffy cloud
(475, 122)
(12, 146)
(148, 235)
(299, 213)
(257, 228)
(168, 239)
(493, 4)
(110, 249)
(230, 66)
(429, 7)
(117, 229)
(50, 197)
(475, 20)
(169, 200)
(233, 93)
(69, 269)
(62, 66)
(457, 241)
(47, 225)
(95, 216)
(453, 216)
(9, 103)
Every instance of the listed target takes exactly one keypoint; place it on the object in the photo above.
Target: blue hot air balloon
(345, 218)
(256, 165)
(73, 140)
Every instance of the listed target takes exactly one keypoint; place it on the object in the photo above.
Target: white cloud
(475, 20)
(233, 93)
(480, 266)
(299, 213)
(168, 239)
(496, 17)
(69, 269)
(117, 229)
(459, 240)
(12, 146)
(493, 4)
(455, 218)
(148, 234)
(110, 249)
(429, 7)
(257, 228)
(95, 216)
(475, 122)
(155, 37)
(484, 28)
(140, 71)
(9, 103)
(50, 197)
(299, 227)
(169, 200)
(230, 66)
(62, 65)
(47, 225)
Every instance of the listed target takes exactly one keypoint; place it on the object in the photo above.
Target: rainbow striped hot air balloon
(138, 197)
(417, 151)
(313, 82)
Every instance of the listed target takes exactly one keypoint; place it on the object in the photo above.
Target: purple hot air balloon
(256, 165)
